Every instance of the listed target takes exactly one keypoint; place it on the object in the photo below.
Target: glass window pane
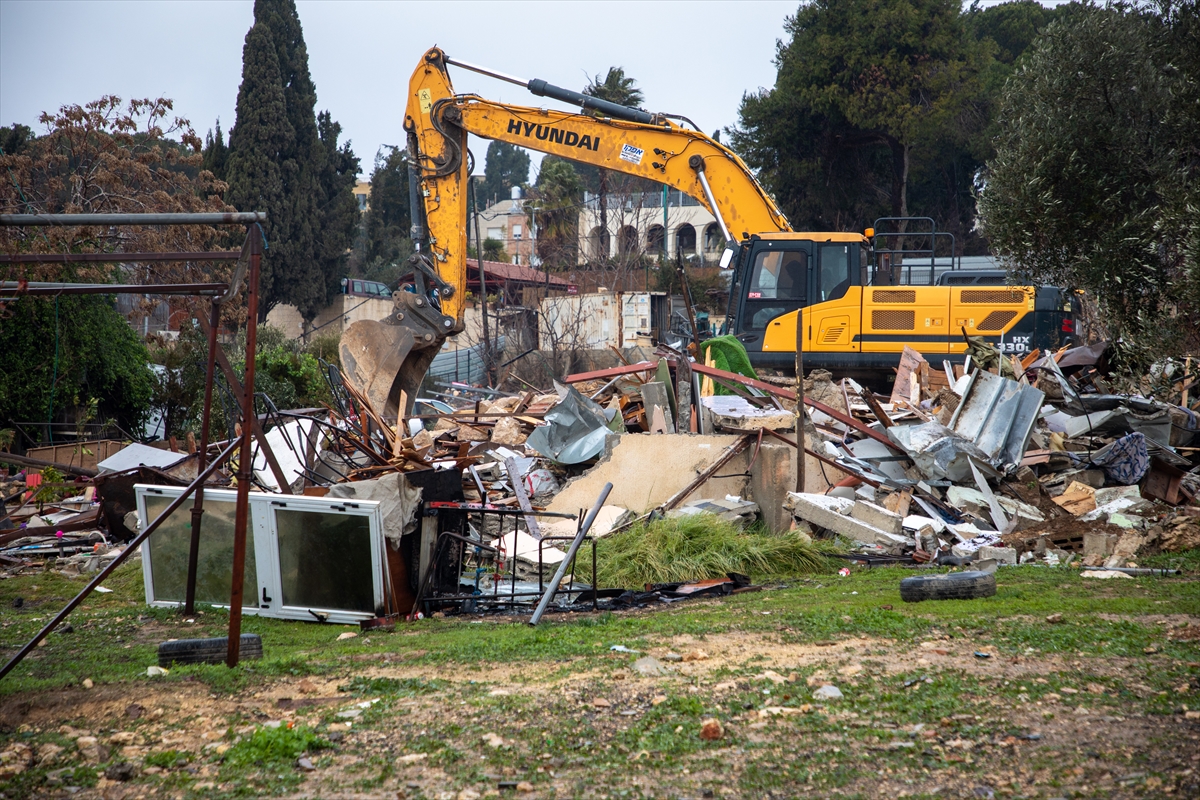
(325, 560)
(169, 546)
(779, 275)
(835, 270)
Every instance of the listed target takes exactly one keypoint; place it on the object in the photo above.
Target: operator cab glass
(778, 282)
(777, 276)
(836, 264)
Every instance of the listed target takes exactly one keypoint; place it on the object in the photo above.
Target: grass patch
(701, 546)
(272, 747)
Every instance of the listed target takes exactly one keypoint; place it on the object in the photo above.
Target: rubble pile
(1031, 460)
(1039, 464)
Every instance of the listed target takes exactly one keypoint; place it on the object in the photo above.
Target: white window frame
(262, 526)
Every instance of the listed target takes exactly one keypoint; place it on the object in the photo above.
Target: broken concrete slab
(917, 522)
(1003, 555)
(1099, 544)
(607, 518)
(731, 509)
(647, 470)
(878, 516)
(973, 501)
(737, 412)
(1113, 493)
(834, 514)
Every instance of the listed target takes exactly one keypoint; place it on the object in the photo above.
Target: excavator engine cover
(386, 361)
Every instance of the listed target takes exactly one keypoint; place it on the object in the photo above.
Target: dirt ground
(495, 716)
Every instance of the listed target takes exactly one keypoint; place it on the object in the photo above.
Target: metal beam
(130, 548)
(83, 220)
(19, 289)
(117, 258)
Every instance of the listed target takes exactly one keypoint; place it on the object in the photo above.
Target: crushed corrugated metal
(1032, 460)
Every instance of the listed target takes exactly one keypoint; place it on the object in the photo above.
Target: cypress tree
(310, 224)
(256, 147)
(339, 214)
(216, 154)
(389, 219)
(299, 278)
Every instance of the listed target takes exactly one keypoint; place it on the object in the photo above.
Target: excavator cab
(776, 274)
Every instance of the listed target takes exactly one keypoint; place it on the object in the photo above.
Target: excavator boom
(387, 360)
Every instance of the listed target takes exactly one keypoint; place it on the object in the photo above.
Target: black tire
(951, 586)
(206, 651)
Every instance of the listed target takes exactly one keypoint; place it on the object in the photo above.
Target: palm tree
(616, 87)
(554, 206)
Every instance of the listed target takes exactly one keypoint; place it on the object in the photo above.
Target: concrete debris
(731, 509)
(739, 413)
(1002, 460)
(837, 514)
(828, 692)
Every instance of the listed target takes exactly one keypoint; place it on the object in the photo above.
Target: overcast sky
(691, 58)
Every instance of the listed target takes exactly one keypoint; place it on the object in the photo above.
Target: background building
(637, 227)
(506, 222)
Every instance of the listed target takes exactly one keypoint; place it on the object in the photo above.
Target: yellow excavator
(859, 299)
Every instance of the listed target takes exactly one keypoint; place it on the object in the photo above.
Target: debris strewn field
(1088, 688)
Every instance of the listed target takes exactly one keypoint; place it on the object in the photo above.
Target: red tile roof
(519, 273)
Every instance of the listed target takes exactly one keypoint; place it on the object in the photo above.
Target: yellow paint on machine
(884, 319)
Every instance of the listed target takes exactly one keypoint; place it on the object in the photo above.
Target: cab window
(835, 271)
(779, 275)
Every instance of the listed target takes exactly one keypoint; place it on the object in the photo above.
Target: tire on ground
(206, 651)
(951, 586)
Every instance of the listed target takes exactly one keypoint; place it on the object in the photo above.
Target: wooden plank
(898, 502)
(910, 365)
(868, 397)
(518, 484)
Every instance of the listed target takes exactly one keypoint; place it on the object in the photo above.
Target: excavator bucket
(386, 361)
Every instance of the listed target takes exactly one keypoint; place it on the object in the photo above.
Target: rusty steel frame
(251, 251)
(13, 289)
(117, 258)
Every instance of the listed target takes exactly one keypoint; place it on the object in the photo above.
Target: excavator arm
(387, 360)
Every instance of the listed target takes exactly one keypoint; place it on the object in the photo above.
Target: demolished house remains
(341, 514)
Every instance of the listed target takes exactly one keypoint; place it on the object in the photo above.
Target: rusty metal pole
(130, 548)
(189, 605)
(800, 400)
(245, 467)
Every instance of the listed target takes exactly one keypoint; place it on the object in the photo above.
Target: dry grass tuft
(703, 546)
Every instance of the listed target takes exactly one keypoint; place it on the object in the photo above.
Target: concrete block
(915, 522)
(878, 516)
(774, 475)
(1003, 555)
(737, 412)
(1099, 544)
(969, 500)
(834, 513)
(1106, 496)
